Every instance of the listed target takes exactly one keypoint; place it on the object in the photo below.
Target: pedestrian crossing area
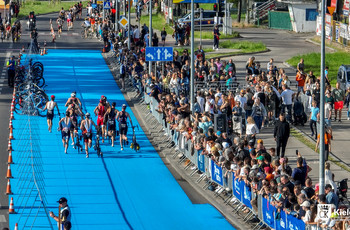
(69, 34)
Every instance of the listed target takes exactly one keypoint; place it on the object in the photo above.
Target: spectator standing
(155, 40)
(237, 112)
(328, 176)
(299, 173)
(347, 102)
(300, 78)
(281, 135)
(163, 34)
(287, 101)
(313, 118)
(327, 142)
(339, 97)
(216, 38)
(300, 65)
(251, 131)
(11, 71)
(65, 213)
(259, 113)
(331, 197)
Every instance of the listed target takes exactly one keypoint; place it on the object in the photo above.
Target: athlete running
(100, 111)
(50, 107)
(73, 100)
(74, 112)
(65, 126)
(59, 26)
(110, 116)
(122, 118)
(86, 128)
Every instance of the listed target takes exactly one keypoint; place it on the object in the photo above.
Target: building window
(311, 14)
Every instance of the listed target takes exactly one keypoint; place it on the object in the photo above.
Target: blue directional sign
(94, 6)
(159, 53)
(106, 5)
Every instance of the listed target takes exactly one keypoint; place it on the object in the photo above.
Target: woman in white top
(308, 87)
(328, 176)
(174, 84)
(251, 131)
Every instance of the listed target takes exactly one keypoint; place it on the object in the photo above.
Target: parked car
(343, 76)
(207, 18)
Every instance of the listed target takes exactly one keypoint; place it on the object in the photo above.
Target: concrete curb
(238, 54)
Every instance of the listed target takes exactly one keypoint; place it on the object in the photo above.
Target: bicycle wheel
(39, 81)
(82, 33)
(39, 105)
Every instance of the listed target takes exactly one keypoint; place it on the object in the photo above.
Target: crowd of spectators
(268, 98)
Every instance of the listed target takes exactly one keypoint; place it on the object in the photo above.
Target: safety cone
(12, 116)
(10, 125)
(9, 146)
(16, 227)
(9, 160)
(11, 135)
(11, 208)
(8, 188)
(41, 53)
(9, 174)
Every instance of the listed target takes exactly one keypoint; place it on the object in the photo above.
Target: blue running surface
(124, 190)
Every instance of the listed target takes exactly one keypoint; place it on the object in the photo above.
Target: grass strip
(312, 61)
(43, 7)
(300, 137)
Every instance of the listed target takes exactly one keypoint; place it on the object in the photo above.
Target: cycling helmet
(87, 114)
(72, 94)
(124, 106)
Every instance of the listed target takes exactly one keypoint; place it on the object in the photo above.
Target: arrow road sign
(159, 53)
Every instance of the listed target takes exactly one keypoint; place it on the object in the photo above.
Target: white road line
(2, 219)
(2, 79)
(2, 84)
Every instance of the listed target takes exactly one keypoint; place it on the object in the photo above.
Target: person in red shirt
(300, 78)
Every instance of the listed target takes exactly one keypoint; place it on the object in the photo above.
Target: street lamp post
(129, 27)
(150, 34)
(322, 123)
(192, 57)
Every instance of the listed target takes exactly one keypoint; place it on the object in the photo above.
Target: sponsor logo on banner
(217, 173)
(237, 187)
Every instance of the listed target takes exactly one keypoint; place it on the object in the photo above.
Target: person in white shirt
(306, 207)
(136, 34)
(209, 105)
(200, 101)
(287, 101)
(242, 99)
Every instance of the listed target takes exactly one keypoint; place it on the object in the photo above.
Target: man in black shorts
(122, 118)
(50, 107)
(110, 116)
(65, 125)
(86, 128)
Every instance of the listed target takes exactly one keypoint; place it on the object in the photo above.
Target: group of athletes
(75, 119)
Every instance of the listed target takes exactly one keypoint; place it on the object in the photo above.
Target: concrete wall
(297, 13)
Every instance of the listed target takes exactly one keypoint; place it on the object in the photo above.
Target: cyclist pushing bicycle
(122, 118)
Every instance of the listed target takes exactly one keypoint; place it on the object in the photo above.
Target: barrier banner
(247, 195)
(294, 223)
(201, 161)
(237, 188)
(268, 213)
(281, 224)
(216, 173)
